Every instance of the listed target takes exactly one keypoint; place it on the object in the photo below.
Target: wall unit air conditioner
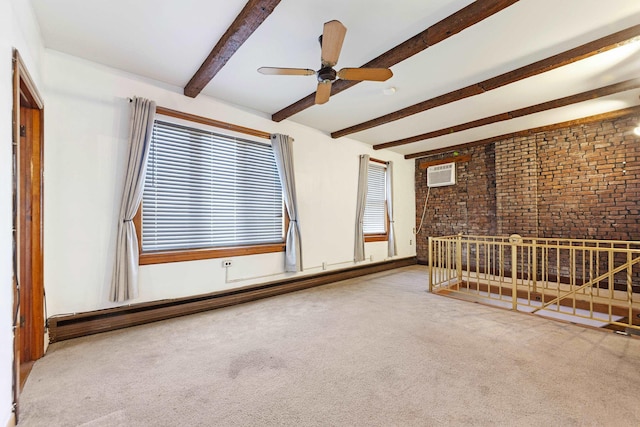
(441, 175)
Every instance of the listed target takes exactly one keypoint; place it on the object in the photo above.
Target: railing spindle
(630, 287)
(515, 239)
(535, 265)
(430, 249)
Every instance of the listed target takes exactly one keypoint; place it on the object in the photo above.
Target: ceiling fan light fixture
(326, 74)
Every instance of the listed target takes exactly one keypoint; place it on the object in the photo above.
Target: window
(375, 213)
(209, 195)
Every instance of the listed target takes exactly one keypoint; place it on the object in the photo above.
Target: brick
(567, 183)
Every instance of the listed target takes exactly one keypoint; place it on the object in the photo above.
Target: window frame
(380, 237)
(160, 257)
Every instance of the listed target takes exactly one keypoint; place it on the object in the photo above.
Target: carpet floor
(372, 351)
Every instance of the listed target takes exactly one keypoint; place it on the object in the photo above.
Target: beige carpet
(372, 351)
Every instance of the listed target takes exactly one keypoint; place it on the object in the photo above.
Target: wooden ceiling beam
(449, 26)
(564, 58)
(522, 133)
(248, 20)
(545, 106)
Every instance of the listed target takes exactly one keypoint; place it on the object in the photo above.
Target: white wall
(18, 29)
(86, 125)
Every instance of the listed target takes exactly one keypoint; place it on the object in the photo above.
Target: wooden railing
(596, 282)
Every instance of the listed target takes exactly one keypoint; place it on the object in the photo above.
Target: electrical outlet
(410, 242)
(227, 263)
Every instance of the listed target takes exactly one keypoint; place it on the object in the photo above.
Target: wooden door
(28, 226)
(29, 214)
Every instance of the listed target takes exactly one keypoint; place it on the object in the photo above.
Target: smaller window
(375, 224)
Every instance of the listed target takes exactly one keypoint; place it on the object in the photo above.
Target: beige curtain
(361, 202)
(283, 154)
(124, 282)
(391, 247)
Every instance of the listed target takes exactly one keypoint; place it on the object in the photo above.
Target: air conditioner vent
(441, 175)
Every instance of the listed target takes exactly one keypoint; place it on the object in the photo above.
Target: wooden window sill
(376, 238)
(200, 254)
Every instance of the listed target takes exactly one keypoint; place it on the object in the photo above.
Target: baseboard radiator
(93, 322)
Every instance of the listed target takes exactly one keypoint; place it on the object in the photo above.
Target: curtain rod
(210, 122)
(371, 159)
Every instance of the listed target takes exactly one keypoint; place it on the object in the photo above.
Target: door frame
(28, 230)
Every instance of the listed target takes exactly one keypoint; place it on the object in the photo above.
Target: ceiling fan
(331, 44)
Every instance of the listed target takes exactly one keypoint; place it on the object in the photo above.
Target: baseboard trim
(93, 322)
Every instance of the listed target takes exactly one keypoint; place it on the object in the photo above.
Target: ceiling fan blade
(275, 71)
(323, 92)
(332, 38)
(372, 74)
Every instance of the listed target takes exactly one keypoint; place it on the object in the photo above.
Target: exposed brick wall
(585, 188)
(579, 182)
(517, 182)
(468, 207)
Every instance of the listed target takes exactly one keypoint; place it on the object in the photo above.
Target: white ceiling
(168, 40)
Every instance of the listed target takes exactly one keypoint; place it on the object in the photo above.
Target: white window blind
(375, 219)
(205, 189)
